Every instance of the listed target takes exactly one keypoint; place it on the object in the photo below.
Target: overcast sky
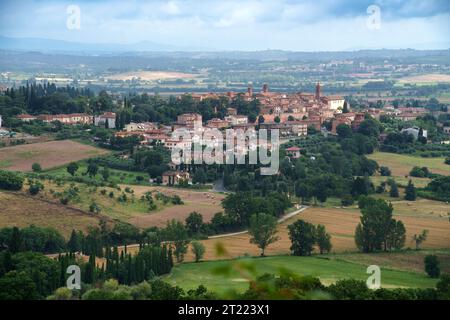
(300, 25)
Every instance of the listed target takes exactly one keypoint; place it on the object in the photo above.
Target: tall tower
(318, 91)
(265, 88)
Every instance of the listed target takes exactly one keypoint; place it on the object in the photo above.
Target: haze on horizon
(247, 25)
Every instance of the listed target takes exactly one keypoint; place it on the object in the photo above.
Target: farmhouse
(415, 132)
(293, 152)
(108, 119)
(26, 117)
(171, 178)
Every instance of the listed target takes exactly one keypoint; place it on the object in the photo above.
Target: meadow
(327, 268)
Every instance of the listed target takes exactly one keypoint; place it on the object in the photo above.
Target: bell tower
(318, 91)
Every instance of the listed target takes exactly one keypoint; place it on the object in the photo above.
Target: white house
(414, 131)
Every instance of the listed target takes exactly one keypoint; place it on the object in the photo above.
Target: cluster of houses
(292, 114)
(107, 119)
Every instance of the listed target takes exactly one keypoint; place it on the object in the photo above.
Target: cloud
(234, 24)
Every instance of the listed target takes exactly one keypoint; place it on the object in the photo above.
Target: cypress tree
(410, 192)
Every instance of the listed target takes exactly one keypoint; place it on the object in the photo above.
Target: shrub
(35, 187)
(432, 266)
(36, 167)
(10, 180)
(385, 171)
(347, 200)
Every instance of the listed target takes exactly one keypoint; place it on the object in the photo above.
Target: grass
(328, 269)
(116, 176)
(401, 165)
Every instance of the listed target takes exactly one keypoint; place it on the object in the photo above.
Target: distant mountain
(50, 45)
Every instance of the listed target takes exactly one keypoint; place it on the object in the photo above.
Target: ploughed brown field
(48, 154)
(205, 203)
(22, 210)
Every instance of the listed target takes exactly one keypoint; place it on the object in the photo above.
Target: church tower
(318, 91)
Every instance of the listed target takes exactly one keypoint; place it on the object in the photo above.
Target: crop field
(401, 165)
(427, 79)
(22, 210)
(328, 268)
(341, 224)
(151, 76)
(48, 154)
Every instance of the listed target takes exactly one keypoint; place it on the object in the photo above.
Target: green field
(401, 164)
(116, 176)
(329, 270)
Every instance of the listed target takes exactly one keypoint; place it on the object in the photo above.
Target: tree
(377, 229)
(344, 131)
(323, 239)
(262, 229)
(420, 238)
(393, 193)
(302, 235)
(94, 208)
(72, 168)
(431, 263)
(35, 187)
(410, 192)
(105, 174)
(36, 167)
(11, 180)
(277, 119)
(385, 172)
(198, 249)
(74, 243)
(15, 242)
(194, 223)
(397, 235)
(92, 169)
(17, 286)
(176, 232)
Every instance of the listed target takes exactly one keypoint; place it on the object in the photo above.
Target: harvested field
(426, 78)
(401, 164)
(206, 203)
(341, 224)
(48, 154)
(22, 210)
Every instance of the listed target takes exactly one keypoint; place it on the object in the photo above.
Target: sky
(296, 25)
